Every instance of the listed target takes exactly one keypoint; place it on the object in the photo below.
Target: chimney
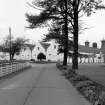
(94, 45)
(87, 43)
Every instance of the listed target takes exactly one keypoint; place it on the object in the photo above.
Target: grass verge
(91, 90)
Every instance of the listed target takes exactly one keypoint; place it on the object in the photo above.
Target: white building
(49, 49)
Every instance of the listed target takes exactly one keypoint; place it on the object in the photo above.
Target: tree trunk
(66, 35)
(10, 56)
(65, 57)
(75, 36)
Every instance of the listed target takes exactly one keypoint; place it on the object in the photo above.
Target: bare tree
(16, 46)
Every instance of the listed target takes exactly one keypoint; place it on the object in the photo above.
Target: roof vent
(87, 43)
(94, 45)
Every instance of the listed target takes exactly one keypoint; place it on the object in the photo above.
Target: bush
(78, 78)
(85, 83)
(41, 56)
(33, 60)
(70, 74)
(91, 90)
(58, 65)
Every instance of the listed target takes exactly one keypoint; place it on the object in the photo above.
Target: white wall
(51, 53)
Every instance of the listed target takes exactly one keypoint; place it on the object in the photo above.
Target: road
(40, 85)
(94, 71)
(15, 90)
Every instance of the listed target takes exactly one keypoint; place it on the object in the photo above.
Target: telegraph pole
(10, 42)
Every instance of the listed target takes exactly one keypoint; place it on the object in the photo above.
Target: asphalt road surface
(18, 89)
(40, 85)
(15, 90)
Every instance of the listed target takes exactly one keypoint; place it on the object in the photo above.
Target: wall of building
(51, 54)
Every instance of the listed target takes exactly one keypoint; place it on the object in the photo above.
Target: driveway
(40, 85)
(14, 90)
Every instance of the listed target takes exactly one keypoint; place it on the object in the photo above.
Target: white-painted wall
(51, 54)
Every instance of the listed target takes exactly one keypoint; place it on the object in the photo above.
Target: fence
(10, 68)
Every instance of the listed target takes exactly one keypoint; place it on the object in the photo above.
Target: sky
(12, 14)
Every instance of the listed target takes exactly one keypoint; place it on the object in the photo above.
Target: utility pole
(10, 43)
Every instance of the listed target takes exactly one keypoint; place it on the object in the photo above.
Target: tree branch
(35, 7)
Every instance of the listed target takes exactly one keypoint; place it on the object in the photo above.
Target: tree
(77, 9)
(67, 11)
(8, 43)
(41, 56)
(16, 46)
(55, 11)
(57, 33)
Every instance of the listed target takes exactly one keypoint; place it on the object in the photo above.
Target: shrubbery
(41, 56)
(91, 90)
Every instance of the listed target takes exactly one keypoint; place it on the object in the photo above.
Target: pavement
(40, 85)
(14, 89)
(53, 89)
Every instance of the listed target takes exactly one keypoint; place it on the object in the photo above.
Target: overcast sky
(12, 13)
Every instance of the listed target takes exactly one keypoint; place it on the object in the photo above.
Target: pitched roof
(45, 45)
(88, 49)
(103, 50)
(29, 45)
